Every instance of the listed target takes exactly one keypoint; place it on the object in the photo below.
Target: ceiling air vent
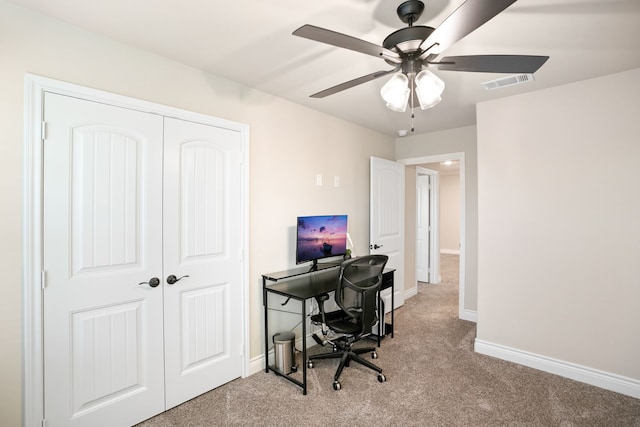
(508, 81)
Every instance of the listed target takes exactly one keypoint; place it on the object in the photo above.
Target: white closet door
(103, 332)
(202, 247)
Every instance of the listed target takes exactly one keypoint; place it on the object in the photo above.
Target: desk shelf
(299, 271)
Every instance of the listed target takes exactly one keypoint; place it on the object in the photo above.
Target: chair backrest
(358, 287)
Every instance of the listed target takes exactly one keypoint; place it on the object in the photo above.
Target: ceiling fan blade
(492, 63)
(352, 83)
(581, 7)
(464, 20)
(347, 42)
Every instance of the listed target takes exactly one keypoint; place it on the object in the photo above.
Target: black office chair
(356, 294)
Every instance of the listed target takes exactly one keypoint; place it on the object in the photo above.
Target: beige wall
(460, 140)
(558, 271)
(289, 146)
(450, 213)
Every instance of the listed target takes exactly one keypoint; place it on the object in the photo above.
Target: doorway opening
(427, 225)
(460, 158)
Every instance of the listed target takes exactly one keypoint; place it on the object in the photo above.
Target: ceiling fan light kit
(413, 49)
(396, 92)
(428, 88)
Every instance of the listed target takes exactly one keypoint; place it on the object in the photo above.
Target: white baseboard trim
(408, 293)
(450, 251)
(470, 315)
(257, 363)
(606, 380)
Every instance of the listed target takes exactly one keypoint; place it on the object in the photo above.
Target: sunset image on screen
(321, 236)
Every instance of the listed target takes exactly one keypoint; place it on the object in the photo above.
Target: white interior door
(428, 225)
(202, 248)
(422, 227)
(103, 332)
(386, 224)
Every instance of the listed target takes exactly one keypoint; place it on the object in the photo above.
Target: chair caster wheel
(294, 368)
(374, 355)
(310, 364)
(336, 385)
(381, 378)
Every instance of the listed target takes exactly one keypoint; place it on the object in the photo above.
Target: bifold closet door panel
(202, 241)
(103, 316)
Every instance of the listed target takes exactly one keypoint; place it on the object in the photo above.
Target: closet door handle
(153, 282)
(173, 279)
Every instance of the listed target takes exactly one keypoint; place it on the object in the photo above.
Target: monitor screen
(321, 236)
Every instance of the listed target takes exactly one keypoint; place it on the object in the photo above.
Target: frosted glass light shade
(396, 92)
(429, 88)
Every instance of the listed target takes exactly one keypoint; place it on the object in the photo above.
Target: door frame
(33, 278)
(463, 313)
(434, 223)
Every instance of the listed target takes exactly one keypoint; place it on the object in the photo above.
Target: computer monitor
(320, 236)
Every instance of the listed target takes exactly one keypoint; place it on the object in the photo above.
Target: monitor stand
(318, 266)
(314, 266)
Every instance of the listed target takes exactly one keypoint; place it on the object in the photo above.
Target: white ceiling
(250, 42)
(443, 168)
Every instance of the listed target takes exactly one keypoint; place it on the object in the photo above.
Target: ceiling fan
(414, 49)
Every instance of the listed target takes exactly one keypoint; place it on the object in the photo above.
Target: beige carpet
(433, 379)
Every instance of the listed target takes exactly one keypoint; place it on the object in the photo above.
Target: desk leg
(393, 308)
(266, 326)
(304, 347)
(380, 318)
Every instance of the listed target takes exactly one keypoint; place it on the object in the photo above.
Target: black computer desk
(301, 284)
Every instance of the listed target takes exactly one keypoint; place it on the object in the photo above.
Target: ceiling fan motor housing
(407, 41)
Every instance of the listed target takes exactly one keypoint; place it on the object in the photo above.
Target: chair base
(346, 354)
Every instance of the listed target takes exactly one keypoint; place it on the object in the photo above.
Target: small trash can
(283, 349)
